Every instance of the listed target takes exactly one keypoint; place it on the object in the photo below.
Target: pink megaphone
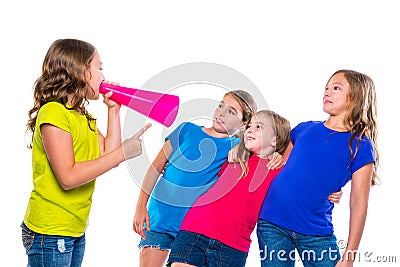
(162, 108)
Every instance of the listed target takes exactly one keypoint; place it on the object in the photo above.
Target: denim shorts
(51, 250)
(158, 240)
(199, 250)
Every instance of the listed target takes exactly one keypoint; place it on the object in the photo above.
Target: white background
(287, 48)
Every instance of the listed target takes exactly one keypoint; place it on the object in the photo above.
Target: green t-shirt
(52, 210)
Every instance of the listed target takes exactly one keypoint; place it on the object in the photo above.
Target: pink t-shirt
(228, 211)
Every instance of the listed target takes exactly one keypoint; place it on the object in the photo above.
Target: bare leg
(153, 257)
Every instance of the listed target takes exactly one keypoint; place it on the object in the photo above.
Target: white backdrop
(288, 49)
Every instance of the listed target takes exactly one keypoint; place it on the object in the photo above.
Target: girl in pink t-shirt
(217, 229)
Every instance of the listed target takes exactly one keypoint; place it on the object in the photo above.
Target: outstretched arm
(150, 179)
(360, 185)
(71, 174)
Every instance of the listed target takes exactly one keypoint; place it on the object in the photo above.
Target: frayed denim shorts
(158, 240)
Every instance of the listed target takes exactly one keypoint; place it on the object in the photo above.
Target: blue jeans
(52, 251)
(199, 250)
(277, 247)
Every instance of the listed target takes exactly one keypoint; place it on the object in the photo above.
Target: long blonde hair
(281, 128)
(65, 69)
(361, 113)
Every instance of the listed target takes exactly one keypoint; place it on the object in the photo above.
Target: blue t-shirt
(192, 169)
(319, 165)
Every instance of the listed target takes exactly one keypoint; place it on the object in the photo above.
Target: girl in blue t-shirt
(194, 155)
(296, 213)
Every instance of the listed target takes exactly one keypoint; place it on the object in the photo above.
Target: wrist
(118, 156)
(115, 108)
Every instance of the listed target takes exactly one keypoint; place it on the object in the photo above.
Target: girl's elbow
(66, 187)
(66, 183)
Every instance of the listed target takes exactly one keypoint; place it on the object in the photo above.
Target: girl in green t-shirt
(68, 153)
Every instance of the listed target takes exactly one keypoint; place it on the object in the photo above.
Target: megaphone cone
(160, 107)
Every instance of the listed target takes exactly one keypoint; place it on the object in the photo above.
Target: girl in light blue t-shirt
(194, 154)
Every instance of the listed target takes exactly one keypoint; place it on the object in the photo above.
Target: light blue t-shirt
(192, 168)
(319, 165)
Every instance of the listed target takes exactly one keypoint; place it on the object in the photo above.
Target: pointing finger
(141, 131)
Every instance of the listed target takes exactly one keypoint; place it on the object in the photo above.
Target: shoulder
(52, 110)
(188, 127)
(366, 144)
(365, 140)
(53, 107)
(183, 129)
(309, 123)
(59, 115)
(365, 153)
(274, 172)
(306, 125)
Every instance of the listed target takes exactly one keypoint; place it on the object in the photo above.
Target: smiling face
(335, 95)
(259, 137)
(228, 116)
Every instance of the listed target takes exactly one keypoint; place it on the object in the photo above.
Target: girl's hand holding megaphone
(110, 103)
(133, 146)
(106, 98)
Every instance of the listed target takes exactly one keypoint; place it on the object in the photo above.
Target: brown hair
(281, 128)
(361, 113)
(65, 69)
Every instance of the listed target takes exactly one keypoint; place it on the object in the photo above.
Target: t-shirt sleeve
(294, 132)
(365, 155)
(174, 136)
(55, 114)
(301, 127)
